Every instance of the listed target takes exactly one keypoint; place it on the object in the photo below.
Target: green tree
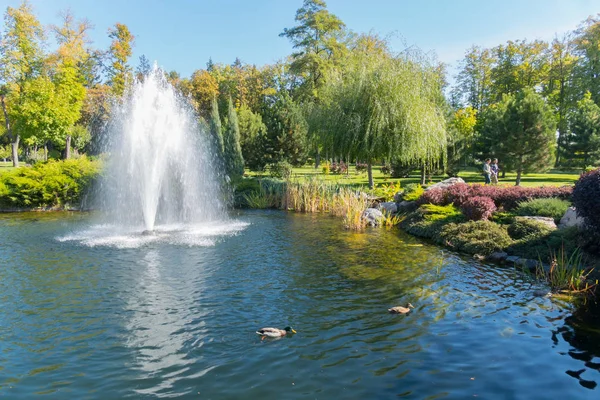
(318, 42)
(386, 107)
(585, 132)
(520, 131)
(474, 80)
(252, 137)
(559, 88)
(120, 51)
(21, 61)
(587, 41)
(143, 68)
(216, 129)
(68, 77)
(234, 162)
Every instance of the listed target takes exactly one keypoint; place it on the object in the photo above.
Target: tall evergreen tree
(216, 129)
(520, 131)
(585, 132)
(234, 162)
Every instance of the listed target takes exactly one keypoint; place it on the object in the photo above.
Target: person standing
(487, 171)
(494, 171)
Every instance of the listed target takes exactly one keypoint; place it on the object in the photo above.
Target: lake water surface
(86, 313)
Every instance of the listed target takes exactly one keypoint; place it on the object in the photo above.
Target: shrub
(586, 199)
(387, 190)
(476, 237)
(506, 197)
(326, 168)
(412, 192)
(459, 193)
(386, 170)
(541, 246)
(361, 167)
(281, 170)
(429, 220)
(553, 208)
(339, 168)
(523, 228)
(435, 196)
(243, 189)
(503, 218)
(478, 208)
(401, 170)
(49, 184)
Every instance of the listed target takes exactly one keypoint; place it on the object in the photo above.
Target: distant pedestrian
(494, 171)
(487, 171)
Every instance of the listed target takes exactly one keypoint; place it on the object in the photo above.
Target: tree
(520, 132)
(216, 130)
(234, 162)
(585, 132)
(252, 138)
(559, 90)
(474, 81)
(143, 69)
(68, 76)
(204, 88)
(587, 43)
(460, 137)
(120, 51)
(21, 60)
(286, 131)
(386, 107)
(317, 41)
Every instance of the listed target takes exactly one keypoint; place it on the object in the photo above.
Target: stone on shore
(570, 219)
(390, 207)
(445, 183)
(373, 216)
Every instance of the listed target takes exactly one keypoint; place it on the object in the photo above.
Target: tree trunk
(15, 151)
(45, 151)
(370, 175)
(503, 174)
(518, 183)
(68, 148)
(423, 174)
(15, 140)
(317, 159)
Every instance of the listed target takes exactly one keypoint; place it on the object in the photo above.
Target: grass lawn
(5, 166)
(470, 175)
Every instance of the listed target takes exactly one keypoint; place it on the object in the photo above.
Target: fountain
(161, 167)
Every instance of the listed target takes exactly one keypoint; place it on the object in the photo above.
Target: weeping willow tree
(385, 107)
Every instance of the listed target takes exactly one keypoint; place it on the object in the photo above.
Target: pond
(89, 314)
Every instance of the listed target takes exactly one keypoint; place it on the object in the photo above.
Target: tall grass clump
(349, 205)
(567, 273)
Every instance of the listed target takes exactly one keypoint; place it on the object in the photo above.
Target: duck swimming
(400, 309)
(275, 332)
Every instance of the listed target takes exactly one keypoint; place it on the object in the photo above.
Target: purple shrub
(478, 208)
(435, 196)
(586, 199)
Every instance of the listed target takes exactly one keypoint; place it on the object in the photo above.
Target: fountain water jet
(161, 167)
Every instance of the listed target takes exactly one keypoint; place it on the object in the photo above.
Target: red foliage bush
(507, 197)
(586, 199)
(478, 208)
(435, 196)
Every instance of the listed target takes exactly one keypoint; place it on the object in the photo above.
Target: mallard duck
(400, 309)
(274, 332)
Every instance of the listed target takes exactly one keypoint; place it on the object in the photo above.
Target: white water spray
(161, 168)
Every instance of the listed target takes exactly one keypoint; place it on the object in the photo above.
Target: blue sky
(182, 34)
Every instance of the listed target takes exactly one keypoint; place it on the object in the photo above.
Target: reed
(567, 273)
